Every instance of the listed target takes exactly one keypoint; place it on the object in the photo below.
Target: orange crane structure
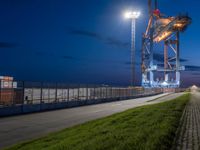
(165, 31)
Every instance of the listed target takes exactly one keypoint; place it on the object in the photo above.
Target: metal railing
(28, 93)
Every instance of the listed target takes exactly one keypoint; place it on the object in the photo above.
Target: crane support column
(177, 59)
(166, 61)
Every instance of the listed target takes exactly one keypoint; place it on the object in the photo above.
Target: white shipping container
(6, 84)
(15, 85)
(27, 94)
(45, 94)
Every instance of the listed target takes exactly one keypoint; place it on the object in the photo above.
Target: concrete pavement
(25, 127)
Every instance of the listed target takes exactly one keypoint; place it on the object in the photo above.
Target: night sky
(85, 41)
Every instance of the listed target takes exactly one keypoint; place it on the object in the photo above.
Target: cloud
(43, 53)
(85, 33)
(68, 57)
(183, 60)
(49, 54)
(107, 40)
(160, 58)
(129, 63)
(7, 45)
(117, 42)
(192, 68)
(40, 53)
(196, 73)
(187, 68)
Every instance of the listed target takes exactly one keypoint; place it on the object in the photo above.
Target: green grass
(148, 127)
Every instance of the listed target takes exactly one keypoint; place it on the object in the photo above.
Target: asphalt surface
(26, 127)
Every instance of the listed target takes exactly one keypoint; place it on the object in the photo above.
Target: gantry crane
(164, 31)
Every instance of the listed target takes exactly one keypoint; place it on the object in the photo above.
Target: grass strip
(148, 127)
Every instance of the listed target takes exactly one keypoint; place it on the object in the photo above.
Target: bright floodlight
(132, 15)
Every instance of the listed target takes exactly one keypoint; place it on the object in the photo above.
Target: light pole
(133, 15)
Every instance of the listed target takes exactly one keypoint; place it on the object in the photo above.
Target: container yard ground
(26, 127)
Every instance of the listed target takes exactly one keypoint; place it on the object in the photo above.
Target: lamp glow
(132, 15)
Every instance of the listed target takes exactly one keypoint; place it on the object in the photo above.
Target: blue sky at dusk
(84, 41)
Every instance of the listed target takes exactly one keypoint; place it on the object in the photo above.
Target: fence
(35, 96)
(38, 93)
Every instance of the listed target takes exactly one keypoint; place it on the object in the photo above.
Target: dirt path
(189, 130)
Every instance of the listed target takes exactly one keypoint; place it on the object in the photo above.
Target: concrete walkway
(26, 127)
(189, 130)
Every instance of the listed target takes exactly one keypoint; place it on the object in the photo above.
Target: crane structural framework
(162, 32)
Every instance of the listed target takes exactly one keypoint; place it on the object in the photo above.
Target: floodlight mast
(133, 15)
